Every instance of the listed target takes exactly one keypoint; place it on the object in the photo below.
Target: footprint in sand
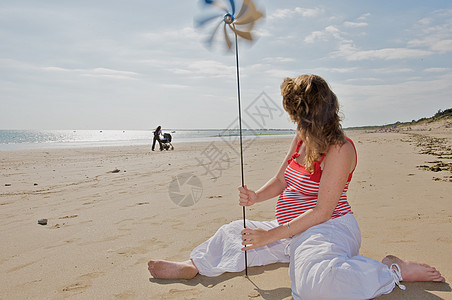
(144, 247)
(68, 217)
(65, 242)
(83, 282)
(122, 221)
(75, 286)
(19, 267)
(126, 295)
(180, 294)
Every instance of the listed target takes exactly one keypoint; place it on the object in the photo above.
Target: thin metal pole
(240, 133)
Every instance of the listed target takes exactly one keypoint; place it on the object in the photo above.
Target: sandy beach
(109, 210)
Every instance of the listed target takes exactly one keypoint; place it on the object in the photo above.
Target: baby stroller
(166, 141)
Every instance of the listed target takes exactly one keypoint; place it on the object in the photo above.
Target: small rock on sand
(254, 294)
(42, 221)
(7, 184)
(116, 171)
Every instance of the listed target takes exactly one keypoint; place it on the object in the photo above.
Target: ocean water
(39, 139)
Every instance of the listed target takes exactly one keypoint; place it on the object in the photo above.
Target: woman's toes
(151, 268)
(150, 265)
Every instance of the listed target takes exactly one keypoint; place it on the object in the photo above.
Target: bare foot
(413, 271)
(172, 270)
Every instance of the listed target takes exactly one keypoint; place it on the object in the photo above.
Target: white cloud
(108, 76)
(261, 32)
(284, 13)
(184, 35)
(174, 86)
(361, 80)
(425, 21)
(57, 69)
(436, 70)
(308, 12)
(96, 72)
(392, 70)
(352, 53)
(278, 59)
(334, 31)
(337, 70)
(434, 36)
(199, 68)
(105, 71)
(363, 17)
(355, 24)
(434, 32)
(281, 73)
(325, 34)
(442, 46)
(180, 71)
(281, 14)
(315, 36)
(391, 102)
(212, 68)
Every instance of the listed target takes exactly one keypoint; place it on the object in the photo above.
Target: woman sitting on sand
(315, 229)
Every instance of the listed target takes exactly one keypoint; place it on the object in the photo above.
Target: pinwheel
(240, 25)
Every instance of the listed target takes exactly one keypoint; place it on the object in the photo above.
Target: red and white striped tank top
(302, 190)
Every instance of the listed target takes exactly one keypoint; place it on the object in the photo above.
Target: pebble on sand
(254, 294)
(7, 184)
(42, 221)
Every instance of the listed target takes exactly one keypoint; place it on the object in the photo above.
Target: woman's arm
(273, 187)
(339, 162)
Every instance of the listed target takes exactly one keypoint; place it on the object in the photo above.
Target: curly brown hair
(313, 106)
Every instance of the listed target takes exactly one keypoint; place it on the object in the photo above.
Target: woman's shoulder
(342, 151)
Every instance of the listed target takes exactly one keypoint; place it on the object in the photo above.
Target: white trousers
(324, 260)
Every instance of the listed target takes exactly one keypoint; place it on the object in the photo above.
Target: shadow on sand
(418, 291)
(278, 293)
(414, 290)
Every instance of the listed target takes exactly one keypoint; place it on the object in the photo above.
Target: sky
(137, 64)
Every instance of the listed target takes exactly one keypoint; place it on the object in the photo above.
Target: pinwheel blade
(247, 27)
(243, 9)
(202, 21)
(226, 37)
(210, 40)
(251, 16)
(248, 13)
(242, 34)
(232, 7)
(217, 4)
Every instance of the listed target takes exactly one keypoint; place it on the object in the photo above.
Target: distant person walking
(157, 133)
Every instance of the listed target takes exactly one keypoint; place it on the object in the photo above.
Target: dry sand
(104, 226)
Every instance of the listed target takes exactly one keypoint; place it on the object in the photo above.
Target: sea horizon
(22, 139)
